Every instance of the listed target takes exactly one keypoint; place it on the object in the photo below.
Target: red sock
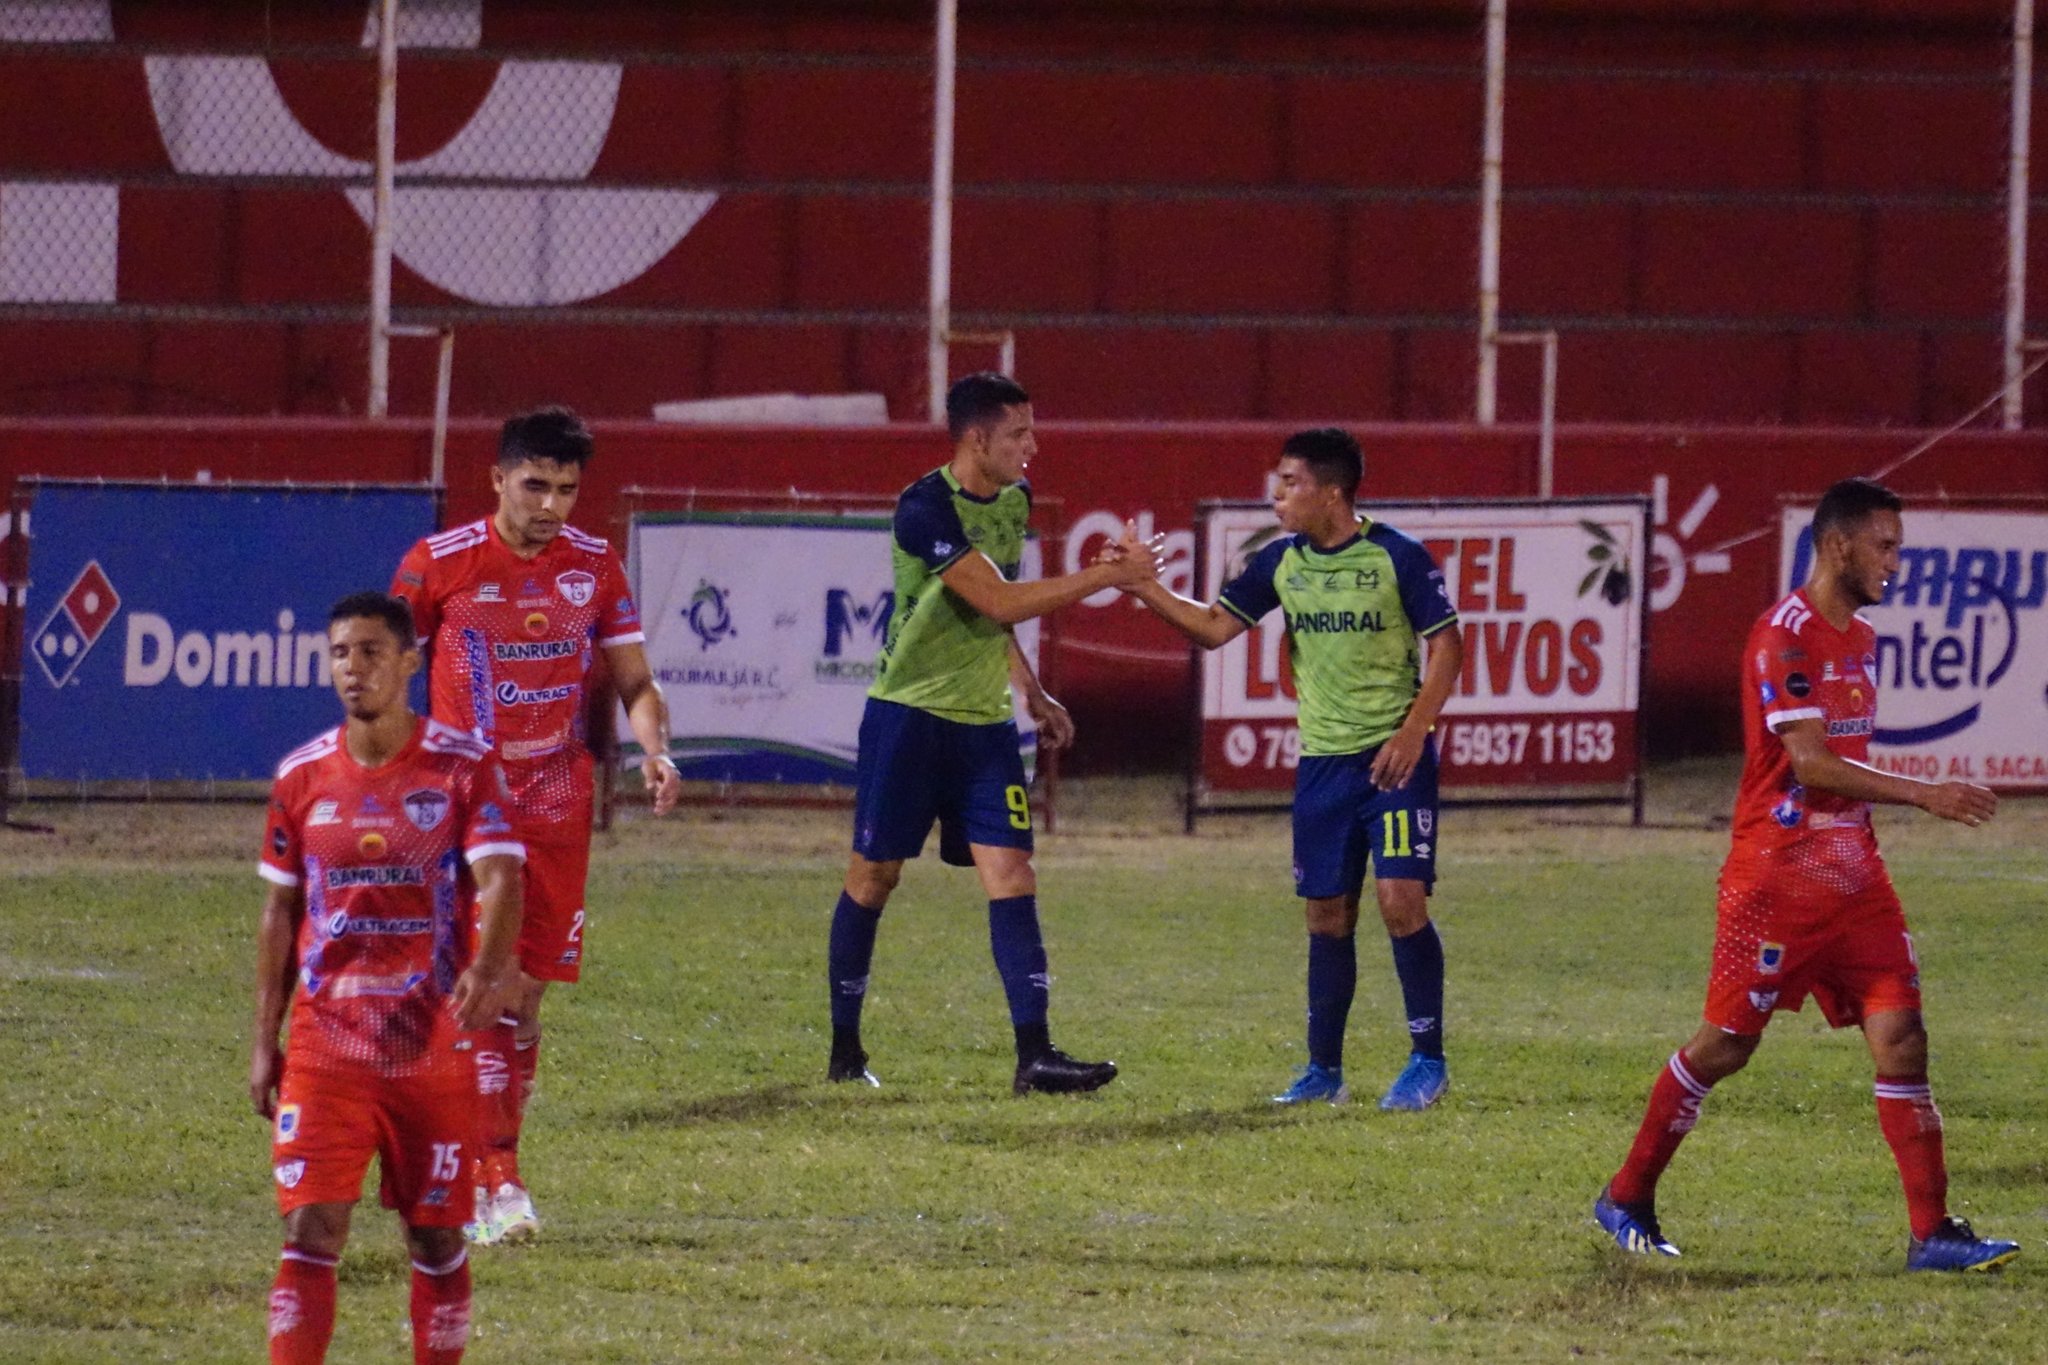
(1912, 1125)
(525, 1065)
(440, 1311)
(498, 1107)
(301, 1308)
(1673, 1109)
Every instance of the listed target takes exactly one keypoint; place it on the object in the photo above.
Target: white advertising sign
(1962, 644)
(1550, 601)
(763, 632)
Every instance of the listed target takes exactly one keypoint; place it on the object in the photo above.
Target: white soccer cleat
(512, 1217)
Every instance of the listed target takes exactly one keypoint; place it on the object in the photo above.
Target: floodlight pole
(940, 321)
(2013, 406)
(379, 403)
(1488, 387)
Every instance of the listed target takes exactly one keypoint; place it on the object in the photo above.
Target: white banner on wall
(763, 632)
(1551, 606)
(1962, 644)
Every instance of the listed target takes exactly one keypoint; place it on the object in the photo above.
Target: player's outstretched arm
(491, 981)
(647, 714)
(1212, 626)
(275, 932)
(1817, 766)
(976, 579)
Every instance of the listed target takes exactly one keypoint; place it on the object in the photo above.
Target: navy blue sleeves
(928, 526)
(1423, 594)
(1252, 593)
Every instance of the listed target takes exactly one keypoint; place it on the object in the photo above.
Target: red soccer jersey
(382, 854)
(513, 642)
(1798, 667)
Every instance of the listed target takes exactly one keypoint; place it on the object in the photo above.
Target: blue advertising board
(178, 631)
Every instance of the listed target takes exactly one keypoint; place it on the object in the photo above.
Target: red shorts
(329, 1124)
(1851, 953)
(551, 928)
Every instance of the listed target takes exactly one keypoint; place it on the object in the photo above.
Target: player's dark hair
(550, 433)
(1332, 456)
(1845, 507)
(979, 400)
(376, 606)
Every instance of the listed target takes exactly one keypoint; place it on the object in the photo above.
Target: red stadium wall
(1186, 212)
(1125, 675)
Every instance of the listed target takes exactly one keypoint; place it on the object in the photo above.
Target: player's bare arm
(1817, 766)
(1396, 760)
(487, 987)
(647, 714)
(276, 931)
(1212, 626)
(976, 579)
(1055, 726)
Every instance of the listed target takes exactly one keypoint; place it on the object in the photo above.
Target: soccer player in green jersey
(937, 741)
(1358, 598)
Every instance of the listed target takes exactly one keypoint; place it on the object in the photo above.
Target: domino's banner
(763, 630)
(178, 632)
(1962, 644)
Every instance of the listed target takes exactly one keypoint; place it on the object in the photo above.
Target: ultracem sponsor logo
(1964, 632)
(512, 694)
(156, 651)
(848, 620)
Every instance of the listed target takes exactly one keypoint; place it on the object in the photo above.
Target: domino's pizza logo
(70, 632)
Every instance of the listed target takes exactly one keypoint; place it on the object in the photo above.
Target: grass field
(707, 1197)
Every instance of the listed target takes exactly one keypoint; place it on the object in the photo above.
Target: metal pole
(1489, 209)
(941, 319)
(2014, 404)
(379, 403)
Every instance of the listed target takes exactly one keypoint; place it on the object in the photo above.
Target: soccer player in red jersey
(380, 834)
(1806, 905)
(513, 609)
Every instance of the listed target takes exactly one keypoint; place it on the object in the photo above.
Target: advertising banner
(1962, 644)
(179, 631)
(763, 630)
(1551, 609)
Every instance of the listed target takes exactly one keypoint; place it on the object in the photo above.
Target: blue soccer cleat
(1421, 1083)
(1634, 1230)
(1952, 1246)
(1316, 1082)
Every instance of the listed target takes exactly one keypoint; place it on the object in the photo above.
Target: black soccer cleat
(850, 1064)
(1053, 1072)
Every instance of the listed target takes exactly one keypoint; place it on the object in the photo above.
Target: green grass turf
(706, 1196)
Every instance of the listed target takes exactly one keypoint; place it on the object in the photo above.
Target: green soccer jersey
(1355, 615)
(942, 655)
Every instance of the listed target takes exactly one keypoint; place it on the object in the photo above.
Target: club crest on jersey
(1425, 821)
(287, 1122)
(426, 808)
(290, 1173)
(576, 587)
(1761, 1001)
(1770, 957)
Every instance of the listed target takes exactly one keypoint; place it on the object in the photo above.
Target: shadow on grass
(1615, 1284)
(744, 1106)
(1085, 1130)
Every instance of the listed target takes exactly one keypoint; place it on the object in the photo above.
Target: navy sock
(852, 949)
(1020, 957)
(1332, 981)
(1419, 961)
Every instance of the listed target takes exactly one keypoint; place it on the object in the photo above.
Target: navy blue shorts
(915, 767)
(1341, 820)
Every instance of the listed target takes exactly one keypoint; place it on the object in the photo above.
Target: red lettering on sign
(1505, 597)
(1584, 675)
(1475, 574)
(1546, 657)
(1503, 641)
